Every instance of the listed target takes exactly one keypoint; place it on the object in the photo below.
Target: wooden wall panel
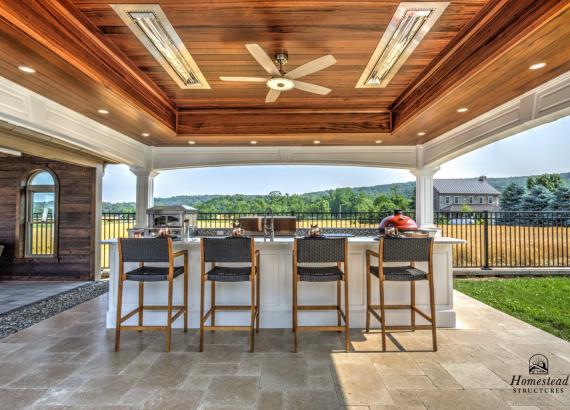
(239, 123)
(76, 241)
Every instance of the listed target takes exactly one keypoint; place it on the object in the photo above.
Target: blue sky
(539, 150)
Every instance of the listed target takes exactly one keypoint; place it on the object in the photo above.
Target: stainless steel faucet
(269, 229)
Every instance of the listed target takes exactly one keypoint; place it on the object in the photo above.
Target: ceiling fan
(280, 80)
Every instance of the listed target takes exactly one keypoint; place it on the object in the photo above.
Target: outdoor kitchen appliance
(176, 221)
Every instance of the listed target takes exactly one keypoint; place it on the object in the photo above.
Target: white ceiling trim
(546, 103)
(24, 108)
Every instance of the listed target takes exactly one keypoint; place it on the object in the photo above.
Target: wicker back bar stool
(229, 250)
(399, 250)
(308, 251)
(150, 250)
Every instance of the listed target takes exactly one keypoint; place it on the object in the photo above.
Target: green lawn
(541, 302)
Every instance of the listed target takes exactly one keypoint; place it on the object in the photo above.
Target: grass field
(541, 302)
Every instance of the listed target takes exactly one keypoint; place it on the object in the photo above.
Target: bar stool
(229, 250)
(412, 250)
(321, 250)
(143, 250)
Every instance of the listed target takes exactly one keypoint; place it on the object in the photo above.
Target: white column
(145, 193)
(424, 196)
(99, 173)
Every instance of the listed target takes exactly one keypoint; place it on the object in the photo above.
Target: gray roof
(474, 186)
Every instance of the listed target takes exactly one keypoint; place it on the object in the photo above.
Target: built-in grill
(177, 221)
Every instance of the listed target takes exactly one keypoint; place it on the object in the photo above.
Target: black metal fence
(42, 235)
(508, 239)
(114, 225)
(304, 219)
(493, 239)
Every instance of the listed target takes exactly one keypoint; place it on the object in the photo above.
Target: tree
(550, 181)
(561, 199)
(466, 208)
(512, 197)
(537, 199)
(384, 205)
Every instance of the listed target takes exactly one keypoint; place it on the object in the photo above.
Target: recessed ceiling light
(537, 66)
(145, 134)
(421, 134)
(463, 109)
(316, 142)
(191, 142)
(26, 69)
(378, 141)
(102, 111)
(253, 142)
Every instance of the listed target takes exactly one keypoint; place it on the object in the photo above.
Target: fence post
(486, 240)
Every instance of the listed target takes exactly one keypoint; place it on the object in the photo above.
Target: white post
(145, 193)
(424, 196)
(99, 173)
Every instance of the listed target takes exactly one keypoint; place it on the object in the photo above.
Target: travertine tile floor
(67, 362)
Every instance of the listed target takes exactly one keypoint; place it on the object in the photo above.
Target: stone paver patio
(67, 362)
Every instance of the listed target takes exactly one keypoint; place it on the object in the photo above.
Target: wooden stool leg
(338, 305)
(295, 311)
(432, 308)
(346, 314)
(213, 302)
(202, 291)
(368, 297)
(258, 297)
(119, 317)
(413, 305)
(169, 317)
(252, 323)
(382, 312)
(185, 293)
(141, 303)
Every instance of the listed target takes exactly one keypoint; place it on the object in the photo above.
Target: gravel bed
(28, 315)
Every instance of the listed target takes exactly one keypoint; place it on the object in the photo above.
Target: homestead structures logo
(539, 380)
(538, 364)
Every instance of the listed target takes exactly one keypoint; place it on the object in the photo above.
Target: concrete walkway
(15, 294)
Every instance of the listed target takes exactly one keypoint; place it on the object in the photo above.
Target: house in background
(451, 195)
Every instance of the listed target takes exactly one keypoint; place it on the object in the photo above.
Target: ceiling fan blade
(272, 95)
(245, 79)
(311, 67)
(311, 88)
(262, 58)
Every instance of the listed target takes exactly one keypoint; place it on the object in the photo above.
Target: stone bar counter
(276, 282)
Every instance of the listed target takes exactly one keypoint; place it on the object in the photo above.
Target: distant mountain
(404, 188)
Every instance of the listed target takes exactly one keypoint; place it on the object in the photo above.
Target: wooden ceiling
(476, 55)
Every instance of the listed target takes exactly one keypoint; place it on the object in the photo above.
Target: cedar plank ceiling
(476, 55)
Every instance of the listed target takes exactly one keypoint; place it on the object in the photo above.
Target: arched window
(41, 214)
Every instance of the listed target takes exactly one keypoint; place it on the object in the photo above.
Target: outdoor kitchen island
(276, 282)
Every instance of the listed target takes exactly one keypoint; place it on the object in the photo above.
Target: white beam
(402, 157)
(10, 152)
